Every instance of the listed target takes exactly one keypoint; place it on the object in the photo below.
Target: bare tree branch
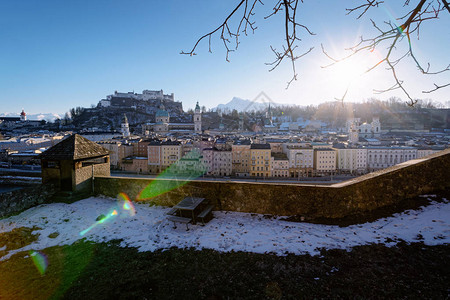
(393, 35)
(224, 30)
(366, 7)
(389, 36)
(446, 5)
(290, 32)
(436, 87)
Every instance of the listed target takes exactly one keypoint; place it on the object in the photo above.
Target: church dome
(162, 113)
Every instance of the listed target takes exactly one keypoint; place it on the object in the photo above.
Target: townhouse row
(246, 159)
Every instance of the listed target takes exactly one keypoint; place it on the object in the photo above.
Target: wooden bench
(205, 213)
(171, 211)
(175, 219)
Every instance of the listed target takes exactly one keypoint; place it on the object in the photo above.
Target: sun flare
(351, 74)
(347, 71)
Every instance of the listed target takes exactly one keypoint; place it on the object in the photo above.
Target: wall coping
(392, 169)
(218, 181)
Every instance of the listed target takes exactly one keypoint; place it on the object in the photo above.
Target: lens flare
(101, 221)
(39, 260)
(126, 204)
(188, 168)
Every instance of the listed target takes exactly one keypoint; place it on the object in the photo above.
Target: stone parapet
(362, 194)
(17, 200)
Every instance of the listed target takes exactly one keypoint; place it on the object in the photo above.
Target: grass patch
(53, 235)
(17, 238)
(106, 271)
(20, 279)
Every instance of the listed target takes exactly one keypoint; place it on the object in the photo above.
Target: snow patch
(149, 229)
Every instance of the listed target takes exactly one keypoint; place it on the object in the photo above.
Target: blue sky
(60, 54)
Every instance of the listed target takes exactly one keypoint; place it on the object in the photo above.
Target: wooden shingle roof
(74, 147)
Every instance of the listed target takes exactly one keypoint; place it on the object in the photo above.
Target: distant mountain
(43, 116)
(245, 105)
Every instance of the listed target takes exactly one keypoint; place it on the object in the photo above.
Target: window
(52, 164)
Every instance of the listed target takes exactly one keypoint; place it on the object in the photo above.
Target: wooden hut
(73, 162)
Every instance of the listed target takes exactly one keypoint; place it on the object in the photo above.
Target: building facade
(384, 157)
(240, 152)
(280, 165)
(324, 161)
(301, 160)
(352, 160)
(170, 153)
(260, 160)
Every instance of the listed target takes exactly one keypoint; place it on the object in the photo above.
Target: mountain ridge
(242, 105)
(39, 116)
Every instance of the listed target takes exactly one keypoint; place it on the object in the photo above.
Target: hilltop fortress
(127, 99)
(148, 102)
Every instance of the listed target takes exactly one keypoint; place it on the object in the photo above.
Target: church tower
(269, 116)
(125, 127)
(197, 119)
(353, 136)
(376, 127)
(23, 116)
(241, 122)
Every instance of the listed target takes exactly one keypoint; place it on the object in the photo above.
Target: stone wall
(18, 200)
(82, 179)
(365, 193)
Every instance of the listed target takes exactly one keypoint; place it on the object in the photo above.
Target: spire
(23, 115)
(125, 127)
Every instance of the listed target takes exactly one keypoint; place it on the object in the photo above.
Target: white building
(280, 165)
(324, 161)
(113, 148)
(28, 143)
(155, 95)
(352, 160)
(365, 130)
(422, 152)
(162, 123)
(301, 159)
(384, 157)
(105, 103)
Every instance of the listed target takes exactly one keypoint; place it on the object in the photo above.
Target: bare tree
(389, 36)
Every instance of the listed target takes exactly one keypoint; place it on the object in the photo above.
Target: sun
(351, 75)
(347, 71)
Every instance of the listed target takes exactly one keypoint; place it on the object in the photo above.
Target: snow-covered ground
(148, 229)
